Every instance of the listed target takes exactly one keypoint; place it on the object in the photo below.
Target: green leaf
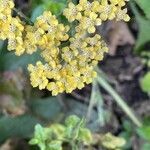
(145, 6)
(10, 61)
(110, 141)
(22, 126)
(85, 135)
(144, 33)
(34, 141)
(37, 12)
(146, 146)
(72, 121)
(79, 109)
(145, 82)
(144, 132)
(73, 127)
(41, 134)
(58, 130)
(144, 29)
(47, 108)
(1, 46)
(69, 132)
(55, 145)
(127, 133)
(55, 7)
(127, 126)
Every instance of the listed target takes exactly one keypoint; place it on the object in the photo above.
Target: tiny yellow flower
(106, 10)
(121, 14)
(37, 75)
(120, 3)
(55, 87)
(89, 23)
(88, 7)
(73, 12)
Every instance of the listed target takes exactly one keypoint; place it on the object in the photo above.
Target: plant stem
(103, 83)
(74, 146)
(100, 110)
(96, 100)
(92, 100)
(22, 15)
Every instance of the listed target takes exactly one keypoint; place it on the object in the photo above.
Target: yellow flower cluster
(11, 28)
(69, 60)
(91, 14)
(5, 17)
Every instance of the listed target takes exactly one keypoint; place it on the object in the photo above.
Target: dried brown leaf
(118, 35)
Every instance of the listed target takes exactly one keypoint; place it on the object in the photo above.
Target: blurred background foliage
(123, 85)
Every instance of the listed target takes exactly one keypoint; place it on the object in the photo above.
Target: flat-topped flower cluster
(69, 60)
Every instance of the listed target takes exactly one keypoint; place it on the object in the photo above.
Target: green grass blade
(103, 83)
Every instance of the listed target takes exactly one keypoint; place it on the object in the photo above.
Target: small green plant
(141, 134)
(72, 133)
(145, 83)
(144, 134)
(74, 136)
(143, 20)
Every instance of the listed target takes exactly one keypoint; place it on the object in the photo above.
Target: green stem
(74, 146)
(96, 99)
(92, 101)
(100, 110)
(22, 15)
(103, 83)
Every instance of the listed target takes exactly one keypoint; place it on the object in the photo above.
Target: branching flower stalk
(67, 66)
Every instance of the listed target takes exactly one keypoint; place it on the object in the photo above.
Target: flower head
(73, 12)
(89, 23)
(68, 59)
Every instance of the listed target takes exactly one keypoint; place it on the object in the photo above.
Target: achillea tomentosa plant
(73, 133)
(69, 60)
